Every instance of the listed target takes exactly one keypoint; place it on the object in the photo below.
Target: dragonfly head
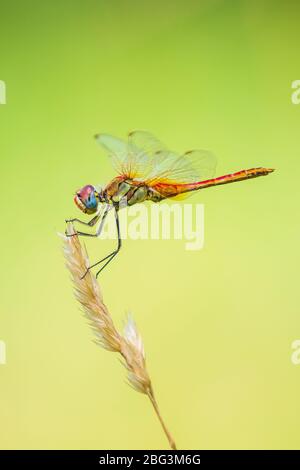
(86, 199)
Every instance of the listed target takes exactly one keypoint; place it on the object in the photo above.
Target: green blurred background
(218, 323)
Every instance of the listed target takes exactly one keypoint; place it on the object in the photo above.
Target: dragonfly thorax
(125, 191)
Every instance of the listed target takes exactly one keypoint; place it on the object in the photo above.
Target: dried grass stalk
(129, 344)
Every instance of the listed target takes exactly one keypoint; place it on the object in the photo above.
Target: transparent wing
(156, 163)
(147, 159)
(144, 142)
(195, 165)
(133, 158)
(117, 150)
(153, 159)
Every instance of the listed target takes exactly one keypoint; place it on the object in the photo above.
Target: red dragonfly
(148, 171)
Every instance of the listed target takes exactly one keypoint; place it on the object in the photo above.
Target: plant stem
(156, 409)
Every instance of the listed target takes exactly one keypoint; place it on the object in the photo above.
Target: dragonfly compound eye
(79, 203)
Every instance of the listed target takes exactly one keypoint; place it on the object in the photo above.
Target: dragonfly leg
(112, 254)
(91, 223)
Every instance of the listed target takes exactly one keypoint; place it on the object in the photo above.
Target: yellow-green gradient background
(218, 323)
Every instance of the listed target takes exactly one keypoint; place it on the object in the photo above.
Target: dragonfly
(146, 170)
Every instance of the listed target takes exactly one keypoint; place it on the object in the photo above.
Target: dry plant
(129, 344)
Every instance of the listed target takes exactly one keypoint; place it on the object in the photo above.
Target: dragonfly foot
(70, 234)
(83, 276)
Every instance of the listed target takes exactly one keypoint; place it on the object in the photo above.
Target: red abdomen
(170, 190)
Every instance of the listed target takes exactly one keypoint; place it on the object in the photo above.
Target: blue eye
(91, 201)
